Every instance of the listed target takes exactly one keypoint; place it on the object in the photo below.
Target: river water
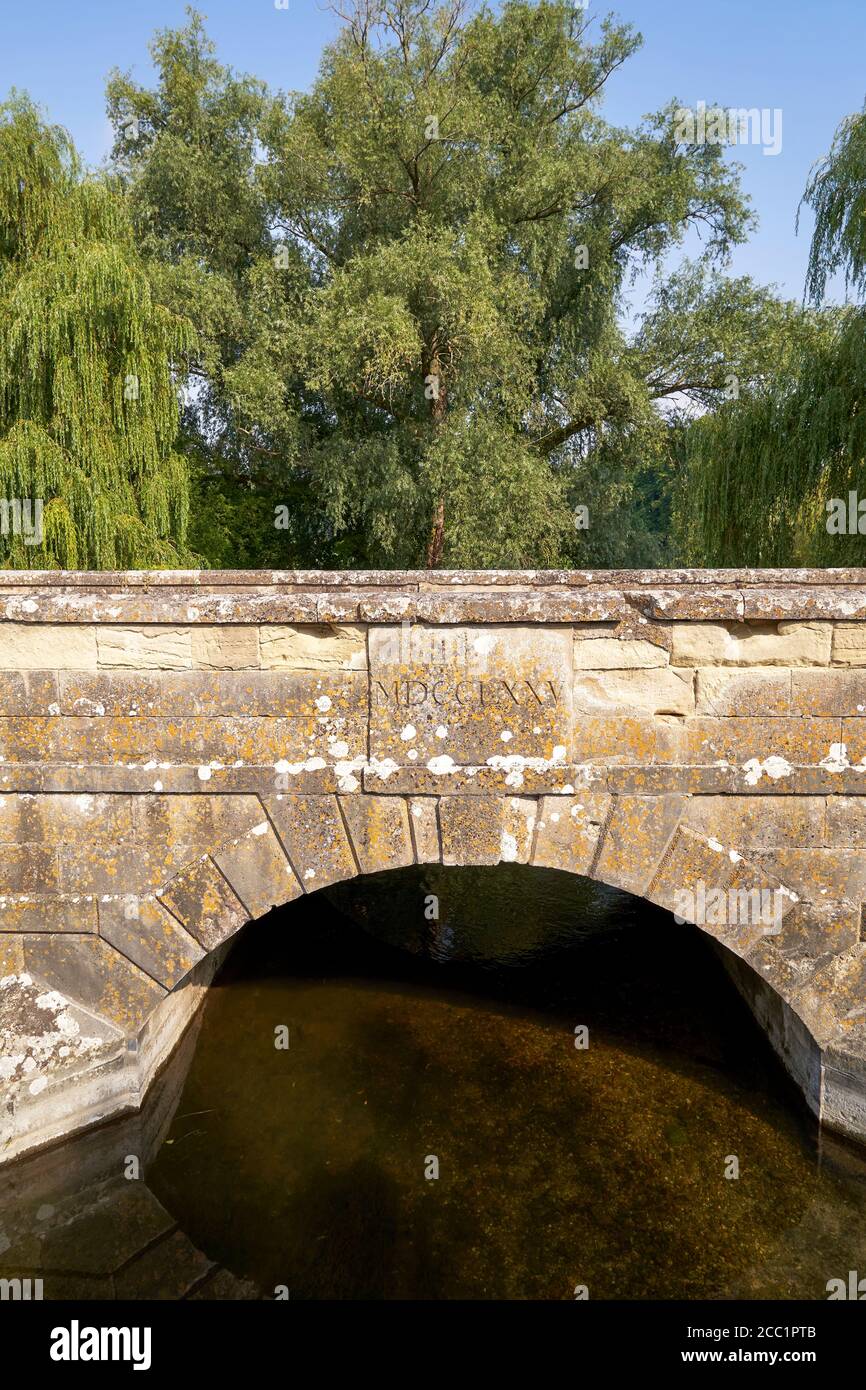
(430, 1129)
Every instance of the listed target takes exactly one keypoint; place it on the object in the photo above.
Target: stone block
(849, 644)
(258, 871)
(819, 874)
(57, 820)
(205, 904)
(638, 831)
(756, 691)
(29, 693)
(746, 822)
(828, 692)
(691, 867)
(142, 648)
(751, 644)
(314, 837)
(314, 647)
(773, 745)
(470, 696)
(91, 972)
(48, 912)
(47, 647)
(617, 654)
(225, 648)
(379, 830)
(146, 933)
(636, 740)
(424, 826)
(568, 830)
(653, 691)
(486, 832)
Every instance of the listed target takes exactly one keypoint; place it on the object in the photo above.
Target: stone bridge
(181, 752)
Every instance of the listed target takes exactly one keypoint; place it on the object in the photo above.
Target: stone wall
(180, 752)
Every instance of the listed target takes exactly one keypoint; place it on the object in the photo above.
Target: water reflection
(432, 1013)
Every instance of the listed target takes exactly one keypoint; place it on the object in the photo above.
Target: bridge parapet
(183, 751)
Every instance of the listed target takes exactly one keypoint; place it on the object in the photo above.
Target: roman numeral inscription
(479, 696)
(410, 693)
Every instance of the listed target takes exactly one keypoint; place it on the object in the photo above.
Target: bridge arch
(182, 753)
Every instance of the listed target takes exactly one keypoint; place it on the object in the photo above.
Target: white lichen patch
(39, 1033)
(773, 767)
(442, 765)
(508, 847)
(837, 759)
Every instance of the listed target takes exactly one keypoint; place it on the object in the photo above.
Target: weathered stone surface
(47, 912)
(486, 832)
(819, 874)
(323, 646)
(812, 930)
(225, 648)
(181, 752)
(278, 693)
(90, 971)
(751, 644)
(849, 644)
(638, 831)
(471, 696)
(510, 775)
(846, 821)
(568, 830)
(741, 740)
(646, 691)
(29, 869)
(170, 1269)
(690, 864)
(54, 820)
(314, 837)
(143, 648)
(752, 822)
(379, 830)
(634, 740)
(684, 778)
(146, 933)
(424, 826)
(614, 654)
(812, 601)
(46, 647)
(853, 738)
(205, 904)
(828, 692)
(29, 692)
(198, 742)
(757, 691)
(258, 871)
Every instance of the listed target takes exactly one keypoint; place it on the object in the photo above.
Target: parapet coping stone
(556, 597)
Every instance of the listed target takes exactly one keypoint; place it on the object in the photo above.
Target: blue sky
(803, 56)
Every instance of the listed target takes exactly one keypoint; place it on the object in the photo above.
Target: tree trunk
(437, 536)
(436, 542)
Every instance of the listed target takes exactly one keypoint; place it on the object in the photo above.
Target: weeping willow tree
(89, 410)
(766, 477)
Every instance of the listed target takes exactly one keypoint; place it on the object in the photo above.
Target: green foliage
(396, 338)
(759, 472)
(88, 403)
(836, 191)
